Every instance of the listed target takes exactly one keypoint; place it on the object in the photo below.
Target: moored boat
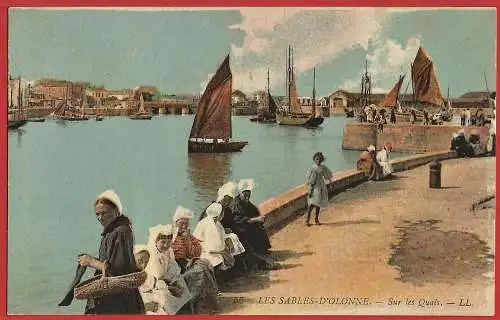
(17, 118)
(292, 114)
(38, 119)
(15, 124)
(141, 114)
(268, 113)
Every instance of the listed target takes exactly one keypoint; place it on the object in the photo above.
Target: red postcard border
(180, 3)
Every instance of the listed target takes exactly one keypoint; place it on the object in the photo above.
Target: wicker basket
(101, 285)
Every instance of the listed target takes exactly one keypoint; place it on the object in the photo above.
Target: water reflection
(19, 132)
(62, 123)
(207, 173)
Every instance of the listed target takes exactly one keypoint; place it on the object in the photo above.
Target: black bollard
(435, 175)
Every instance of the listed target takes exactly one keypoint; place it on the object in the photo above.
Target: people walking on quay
(393, 116)
(317, 196)
(467, 117)
(116, 257)
(426, 117)
(462, 118)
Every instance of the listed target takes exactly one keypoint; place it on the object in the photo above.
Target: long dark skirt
(127, 303)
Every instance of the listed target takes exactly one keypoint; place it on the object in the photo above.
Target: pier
(344, 265)
(405, 137)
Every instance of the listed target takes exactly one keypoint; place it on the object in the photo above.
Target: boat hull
(292, 120)
(315, 121)
(72, 118)
(14, 124)
(140, 117)
(204, 147)
(263, 120)
(349, 113)
(36, 120)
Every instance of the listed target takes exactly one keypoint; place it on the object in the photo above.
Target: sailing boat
(316, 119)
(35, 119)
(426, 90)
(82, 115)
(212, 128)
(141, 114)
(392, 98)
(292, 114)
(98, 117)
(268, 113)
(447, 113)
(18, 120)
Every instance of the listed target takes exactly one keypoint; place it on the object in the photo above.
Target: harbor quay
(384, 247)
(406, 137)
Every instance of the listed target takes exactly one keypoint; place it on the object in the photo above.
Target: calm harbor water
(57, 169)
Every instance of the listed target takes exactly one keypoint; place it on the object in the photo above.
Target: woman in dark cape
(248, 223)
(116, 255)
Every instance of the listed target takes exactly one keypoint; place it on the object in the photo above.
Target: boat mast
(11, 89)
(268, 89)
(19, 100)
(289, 78)
(314, 93)
(486, 82)
(413, 86)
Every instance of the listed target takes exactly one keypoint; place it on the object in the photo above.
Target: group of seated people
(185, 270)
(464, 147)
(376, 165)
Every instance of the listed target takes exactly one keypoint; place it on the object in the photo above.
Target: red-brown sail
(391, 98)
(213, 113)
(425, 83)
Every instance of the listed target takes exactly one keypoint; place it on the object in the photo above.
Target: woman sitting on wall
(383, 159)
(367, 162)
(198, 273)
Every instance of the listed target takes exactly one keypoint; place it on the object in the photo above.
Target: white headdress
(181, 213)
(113, 197)
(140, 247)
(228, 189)
(245, 185)
(214, 210)
(371, 148)
(161, 265)
(154, 232)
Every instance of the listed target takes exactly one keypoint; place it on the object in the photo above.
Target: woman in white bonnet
(198, 272)
(384, 160)
(212, 236)
(162, 266)
(249, 221)
(116, 256)
(367, 162)
(153, 292)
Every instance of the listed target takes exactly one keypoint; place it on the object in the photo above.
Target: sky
(179, 50)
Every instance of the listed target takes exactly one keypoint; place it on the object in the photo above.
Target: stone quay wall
(281, 209)
(405, 137)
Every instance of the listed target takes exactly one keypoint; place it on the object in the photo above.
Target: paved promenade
(372, 250)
